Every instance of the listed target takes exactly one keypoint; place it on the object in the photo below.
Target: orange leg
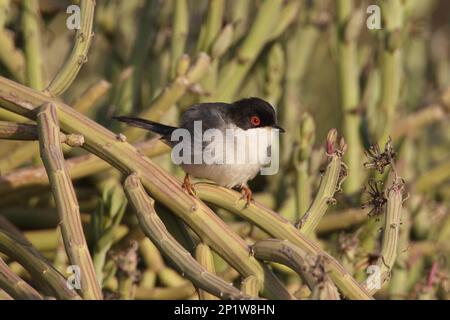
(187, 185)
(247, 194)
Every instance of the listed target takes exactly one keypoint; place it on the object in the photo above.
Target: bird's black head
(253, 113)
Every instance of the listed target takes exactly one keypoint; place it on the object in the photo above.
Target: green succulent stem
(330, 183)
(155, 230)
(390, 239)
(172, 93)
(205, 258)
(250, 286)
(10, 56)
(91, 96)
(391, 63)
(180, 27)
(212, 25)
(31, 25)
(233, 73)
(284, 252)
(19, 131)
(350, 92)
(79, 167)
(279, 228)
(302, 153)
(433, 177)
(323, 198)
(66, 201)
(68, 72)
(47, 278)
(15, 286)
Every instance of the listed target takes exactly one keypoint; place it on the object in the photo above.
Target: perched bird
(243, 121)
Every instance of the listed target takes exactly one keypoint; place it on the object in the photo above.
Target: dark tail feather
(147, 124)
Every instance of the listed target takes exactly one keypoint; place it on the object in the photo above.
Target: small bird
(245, 118)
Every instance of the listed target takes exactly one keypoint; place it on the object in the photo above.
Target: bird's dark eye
(254, 120)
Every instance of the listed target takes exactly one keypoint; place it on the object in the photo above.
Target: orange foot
(187, 185)
(247, 194)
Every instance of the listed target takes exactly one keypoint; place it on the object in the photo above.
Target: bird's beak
(279, 128)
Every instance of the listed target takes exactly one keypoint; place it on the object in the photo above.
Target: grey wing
(202, 117)
(211, 115)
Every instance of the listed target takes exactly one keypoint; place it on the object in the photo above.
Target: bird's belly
(227, 175)
(232, 163)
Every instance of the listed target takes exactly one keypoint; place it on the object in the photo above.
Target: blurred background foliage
(314, 60)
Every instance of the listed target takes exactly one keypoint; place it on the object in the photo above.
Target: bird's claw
(187, 185)
(247, 194)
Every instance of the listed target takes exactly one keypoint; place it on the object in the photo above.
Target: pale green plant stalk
(288, 14)
(10, 56)
(208, 39)
(389, 243)
(180, 29)
(105, 222)
(66, 201)
(280, 228)
(251, 286)
(204, 256)
(284, 252)
(239, 17)
(19, 155)
(141, 48)
(302, 154)
(31, 25)
(47, 278)
(234, 72)
(274, 74)
(157, 232)
(5, 296)
(349, 24)
(66, 75)
(172, 93)
(299, 49)
(212, 25)
(331, 181)
(15, 286)
(391, 62)
(91, 96)
(79, 167)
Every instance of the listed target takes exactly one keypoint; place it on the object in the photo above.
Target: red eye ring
(254, 120)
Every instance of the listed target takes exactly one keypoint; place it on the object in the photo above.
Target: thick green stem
(348, 30)
(15, 286)
(212, 26)
(66, 201)
(180, 30)
(205, 258)
(251, 286)
(233, 73)
(433, 177)
(389, 244)
(31, 25)
(330, 183)
(91, 96)
(284, 252)
(301, 162)
(172, 93)
(392, 63)
(66, 75)
(47, 278)
(79, 167)
(155, 230)
(280, 228)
